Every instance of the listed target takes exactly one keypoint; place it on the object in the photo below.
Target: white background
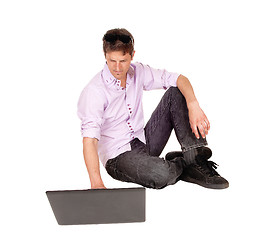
(49, 50)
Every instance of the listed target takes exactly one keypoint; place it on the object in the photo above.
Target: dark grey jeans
(142, 165)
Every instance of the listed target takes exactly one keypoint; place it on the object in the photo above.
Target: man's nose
(117, 66)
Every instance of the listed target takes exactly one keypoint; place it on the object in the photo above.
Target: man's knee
(175, 91)
(161, 177)
(175, 95)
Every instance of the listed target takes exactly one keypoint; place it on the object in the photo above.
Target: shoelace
(208, 167)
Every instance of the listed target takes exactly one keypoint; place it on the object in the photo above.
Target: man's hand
(100, 186)
(198, 120)
(97, 184)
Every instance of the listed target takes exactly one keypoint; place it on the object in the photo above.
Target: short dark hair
(118, 39)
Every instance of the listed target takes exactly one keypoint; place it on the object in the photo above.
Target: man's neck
(123, 83)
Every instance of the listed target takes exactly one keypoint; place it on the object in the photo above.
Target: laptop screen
(97, 206)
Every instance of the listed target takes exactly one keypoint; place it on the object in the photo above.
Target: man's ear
(105, 57)
(104, 54)
(133, 55)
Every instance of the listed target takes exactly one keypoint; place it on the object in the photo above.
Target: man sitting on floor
(110, 108)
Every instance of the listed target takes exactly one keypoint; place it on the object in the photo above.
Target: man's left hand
(198, 120)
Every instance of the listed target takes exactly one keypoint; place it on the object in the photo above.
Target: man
(110, 108)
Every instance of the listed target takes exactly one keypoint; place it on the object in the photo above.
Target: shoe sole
(210, 186)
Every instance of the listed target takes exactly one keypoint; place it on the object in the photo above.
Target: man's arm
(197, 118)
(92, 162)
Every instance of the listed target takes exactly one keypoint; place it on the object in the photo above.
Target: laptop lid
(96, 206)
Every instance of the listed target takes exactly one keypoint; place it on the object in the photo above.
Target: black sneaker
(202, 172)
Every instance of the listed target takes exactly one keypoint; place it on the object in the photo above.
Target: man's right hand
(98, 186)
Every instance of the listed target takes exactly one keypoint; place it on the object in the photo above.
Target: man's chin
(118, 77)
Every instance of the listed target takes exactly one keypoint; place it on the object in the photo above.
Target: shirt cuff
(91, 133)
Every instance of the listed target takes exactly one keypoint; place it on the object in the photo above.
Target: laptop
(98, 206)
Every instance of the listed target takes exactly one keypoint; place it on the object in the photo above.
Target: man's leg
(172, 113)
(139, 167)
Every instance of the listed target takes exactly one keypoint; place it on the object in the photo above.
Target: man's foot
(203, 171)
(204, 174)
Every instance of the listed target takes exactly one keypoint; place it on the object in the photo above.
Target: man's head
(118, 45)
(118, 39)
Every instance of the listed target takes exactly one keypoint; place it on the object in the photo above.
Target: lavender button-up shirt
(114, 115)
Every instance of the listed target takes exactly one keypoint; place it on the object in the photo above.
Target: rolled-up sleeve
(158, 78)
(90, 111)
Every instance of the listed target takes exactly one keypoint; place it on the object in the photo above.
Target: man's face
(118, 63)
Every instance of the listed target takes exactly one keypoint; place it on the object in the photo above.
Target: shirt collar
(111, 80)
(130, 75)
(107, 75)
